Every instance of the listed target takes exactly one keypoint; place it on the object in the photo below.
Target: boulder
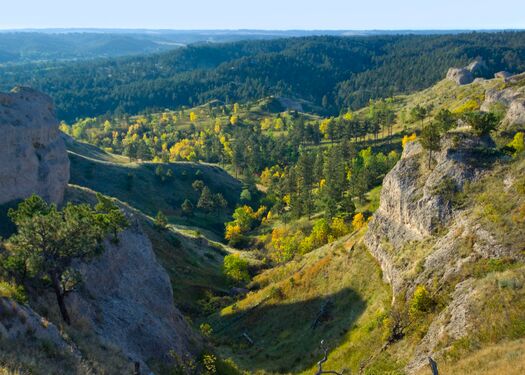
(460, 76)
(502, 75)
(33, 157)
(515, 117)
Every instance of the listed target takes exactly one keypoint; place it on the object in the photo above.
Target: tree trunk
(60, 299)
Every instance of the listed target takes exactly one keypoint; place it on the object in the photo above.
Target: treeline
(330, 72)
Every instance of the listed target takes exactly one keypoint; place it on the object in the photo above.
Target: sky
(264, 14)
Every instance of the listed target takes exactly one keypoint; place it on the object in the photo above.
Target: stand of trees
(330, 72)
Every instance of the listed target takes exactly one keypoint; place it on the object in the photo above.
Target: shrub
(208, 361)
(517, 144)
(421, 301)
(408, 138)
(482, 123)
(13, 291)
(359, 221)
(206, 329)
(236, 268)
(276, 293)
(161, 221)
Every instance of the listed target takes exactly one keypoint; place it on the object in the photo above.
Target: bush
(161, 221)
(206, 329)
(482, 123)
(13, 291)
(421, 301)
(236, 268)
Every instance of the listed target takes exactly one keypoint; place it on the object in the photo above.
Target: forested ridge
(331, 72)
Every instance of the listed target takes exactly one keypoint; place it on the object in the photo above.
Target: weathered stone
(18, 321)
(503, 75)
(494, 96)
(478, 67)
(516, 114)
(460, 76)
(33, 157)
(410, 208)
(128, 299)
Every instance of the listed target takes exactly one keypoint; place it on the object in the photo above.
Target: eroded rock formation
(33, 157)
(128, 300)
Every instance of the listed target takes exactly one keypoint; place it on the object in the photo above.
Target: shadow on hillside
(139, 186)
(286, 336)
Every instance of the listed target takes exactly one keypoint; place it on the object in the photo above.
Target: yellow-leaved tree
(359, 221)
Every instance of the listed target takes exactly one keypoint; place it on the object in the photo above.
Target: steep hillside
(448, 238)
(139, 185)
(121, 304)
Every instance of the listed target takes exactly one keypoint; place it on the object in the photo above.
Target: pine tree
(430, 140)
(206, 201)
(187, 208)
(161, 221)
(49, 243)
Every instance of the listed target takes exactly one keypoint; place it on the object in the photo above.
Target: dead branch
(323, 360)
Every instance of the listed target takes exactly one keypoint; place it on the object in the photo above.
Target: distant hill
(329, 71)
(30, 45)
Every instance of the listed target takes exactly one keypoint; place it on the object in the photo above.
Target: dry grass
(506, 358)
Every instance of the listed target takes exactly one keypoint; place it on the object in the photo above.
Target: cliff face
(33, 157)
(422, 234)
(414, 202)
(127, 300)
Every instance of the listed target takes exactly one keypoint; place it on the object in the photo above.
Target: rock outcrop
(18, 321)
(33, 157)
(503, 97)
(420, 237)
(461, 76)
(128, 300)
(413, 199)
(515, 116)
(511, 99)
(504, 75)
(466, 75)
(478, 67)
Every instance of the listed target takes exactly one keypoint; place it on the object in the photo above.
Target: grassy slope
(192, 262)
(280, 314)
(137, 184)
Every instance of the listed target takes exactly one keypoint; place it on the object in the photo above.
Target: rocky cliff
(511, 98)
(422, 235)
(128, 301)
(33, 157)
(415, 200)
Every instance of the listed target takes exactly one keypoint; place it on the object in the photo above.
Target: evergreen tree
(187, 208)
(430, 140)
(49, 243)
(206, 201)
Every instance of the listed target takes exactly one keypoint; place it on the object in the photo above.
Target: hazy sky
(264, 14)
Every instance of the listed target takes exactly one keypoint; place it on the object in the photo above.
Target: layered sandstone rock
(33, 157)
